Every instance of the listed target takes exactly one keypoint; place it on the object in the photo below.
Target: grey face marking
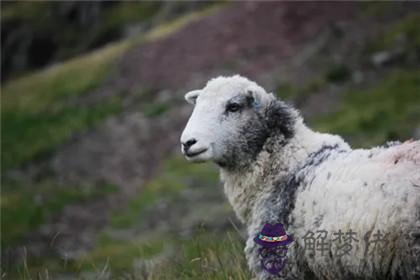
(277, 119)
(247, 144)
(236, 104)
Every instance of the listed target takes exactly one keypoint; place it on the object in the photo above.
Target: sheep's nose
(189, 143)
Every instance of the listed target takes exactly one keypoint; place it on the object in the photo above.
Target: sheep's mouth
(194, 154)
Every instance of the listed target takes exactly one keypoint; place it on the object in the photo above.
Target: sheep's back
(363, 191)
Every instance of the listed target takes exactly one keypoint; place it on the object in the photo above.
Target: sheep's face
(229, 122)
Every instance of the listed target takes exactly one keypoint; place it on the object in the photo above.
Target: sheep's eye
(233, 107)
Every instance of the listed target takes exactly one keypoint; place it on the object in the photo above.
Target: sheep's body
(277, 170)
(316, 182)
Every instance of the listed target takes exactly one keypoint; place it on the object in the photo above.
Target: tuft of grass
(390, 110)
(206, 256)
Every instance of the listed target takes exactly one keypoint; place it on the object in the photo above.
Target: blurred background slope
(93, 183)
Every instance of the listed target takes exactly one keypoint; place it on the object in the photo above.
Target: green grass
(404, 35)
(119, 255)
(24, 208)
(30, 136)
(206, 256)
(176, 175)
(289, 91)
(50, 87)
(220, 254)
(39, 112)
(157, 189)
(389, 110)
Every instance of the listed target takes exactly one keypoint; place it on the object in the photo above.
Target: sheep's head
(231, 121)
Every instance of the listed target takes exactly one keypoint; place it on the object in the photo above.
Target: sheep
(277, 170)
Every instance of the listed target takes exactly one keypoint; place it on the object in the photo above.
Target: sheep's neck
(244, 187)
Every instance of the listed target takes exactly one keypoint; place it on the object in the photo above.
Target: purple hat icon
(273, 236)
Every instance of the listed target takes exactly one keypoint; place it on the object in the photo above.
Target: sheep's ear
(281, 117)
(191, 96)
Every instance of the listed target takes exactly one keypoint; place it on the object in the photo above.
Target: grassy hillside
(175, 223)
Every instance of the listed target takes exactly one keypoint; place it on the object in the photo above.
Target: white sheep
(277, 170)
